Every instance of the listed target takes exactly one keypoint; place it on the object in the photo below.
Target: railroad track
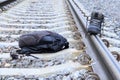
(86, 59)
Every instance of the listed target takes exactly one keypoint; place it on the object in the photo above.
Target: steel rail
(106, 65)
(4, 3)
(7, 4)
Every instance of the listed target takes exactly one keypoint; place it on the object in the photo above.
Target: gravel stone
(77, 75)
(30, 63)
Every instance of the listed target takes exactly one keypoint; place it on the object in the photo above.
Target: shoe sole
(93, 31)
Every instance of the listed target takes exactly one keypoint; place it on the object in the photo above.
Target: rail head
(111, 66)
(5, 2)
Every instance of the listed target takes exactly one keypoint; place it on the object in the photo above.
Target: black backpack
(41, 42)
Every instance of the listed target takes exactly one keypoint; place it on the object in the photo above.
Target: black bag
(42, 42)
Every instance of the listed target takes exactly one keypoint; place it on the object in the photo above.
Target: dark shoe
(95, 23)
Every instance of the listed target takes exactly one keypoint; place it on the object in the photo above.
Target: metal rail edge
(6, 2)
(106, 65)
